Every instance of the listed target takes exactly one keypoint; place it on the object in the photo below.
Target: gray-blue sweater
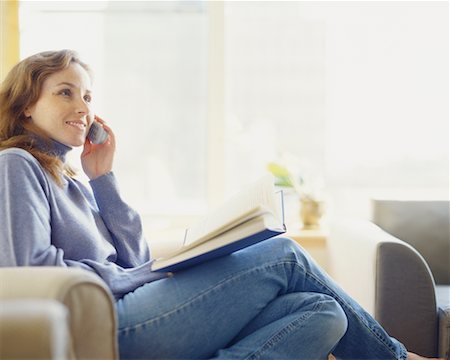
(43, 224)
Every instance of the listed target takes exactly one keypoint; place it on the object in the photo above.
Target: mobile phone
(97, 135)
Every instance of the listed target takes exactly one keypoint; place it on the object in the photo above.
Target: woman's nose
(82, 107)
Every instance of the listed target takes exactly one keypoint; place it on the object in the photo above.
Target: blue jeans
(269, 301)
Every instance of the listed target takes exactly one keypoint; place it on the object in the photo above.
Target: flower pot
(311, 212)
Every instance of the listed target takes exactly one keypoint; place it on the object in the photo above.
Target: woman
(269, 301)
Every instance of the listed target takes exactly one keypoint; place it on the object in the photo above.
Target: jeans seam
(344, 304)
(286, 330)
(202, 294)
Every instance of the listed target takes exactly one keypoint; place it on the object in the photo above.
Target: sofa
(397, 265)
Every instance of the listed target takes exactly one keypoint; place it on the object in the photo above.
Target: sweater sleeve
(25, 227)
(123, 222)
(25, 213)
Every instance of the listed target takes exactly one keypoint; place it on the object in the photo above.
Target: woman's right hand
(97, 159)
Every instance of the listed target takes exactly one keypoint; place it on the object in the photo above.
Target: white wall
(387, 102)
(357, 91)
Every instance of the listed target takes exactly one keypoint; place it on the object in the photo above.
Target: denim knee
(333, 318)
(287, 245)
(289, 249)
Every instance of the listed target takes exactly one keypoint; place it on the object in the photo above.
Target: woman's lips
(78, 124)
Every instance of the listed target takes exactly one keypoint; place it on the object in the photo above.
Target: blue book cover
(220, 251)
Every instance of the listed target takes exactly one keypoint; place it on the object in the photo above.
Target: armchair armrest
(389, 278)
(33, 329)
(406, 297)
(92, 317)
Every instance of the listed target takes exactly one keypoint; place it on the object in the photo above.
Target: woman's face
(64, 104)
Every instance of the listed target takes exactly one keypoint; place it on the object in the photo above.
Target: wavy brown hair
(20, 90)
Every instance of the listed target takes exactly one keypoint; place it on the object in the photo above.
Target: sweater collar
(53, 147)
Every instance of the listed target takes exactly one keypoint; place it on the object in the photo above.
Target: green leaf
(283, 182)
(281, 173)
(278, 170)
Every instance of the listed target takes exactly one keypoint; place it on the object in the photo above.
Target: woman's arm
(123, 223)
(25, 212)
(25, 226)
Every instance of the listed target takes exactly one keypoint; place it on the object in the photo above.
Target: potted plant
(311, 205)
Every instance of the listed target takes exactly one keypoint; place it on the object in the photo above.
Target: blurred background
(203, 95)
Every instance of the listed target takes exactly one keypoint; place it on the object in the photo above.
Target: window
(202, 95)
(149, 61)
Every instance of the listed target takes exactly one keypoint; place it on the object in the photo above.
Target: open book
(255, 214)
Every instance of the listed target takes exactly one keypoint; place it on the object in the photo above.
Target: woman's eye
(88, 98)
(65, 92)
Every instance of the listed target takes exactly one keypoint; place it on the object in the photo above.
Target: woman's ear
(27, 112)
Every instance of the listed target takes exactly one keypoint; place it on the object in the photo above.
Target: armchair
(55, 313)
(397, 267)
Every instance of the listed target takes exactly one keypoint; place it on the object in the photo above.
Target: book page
(253, 200)
(249, 228)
